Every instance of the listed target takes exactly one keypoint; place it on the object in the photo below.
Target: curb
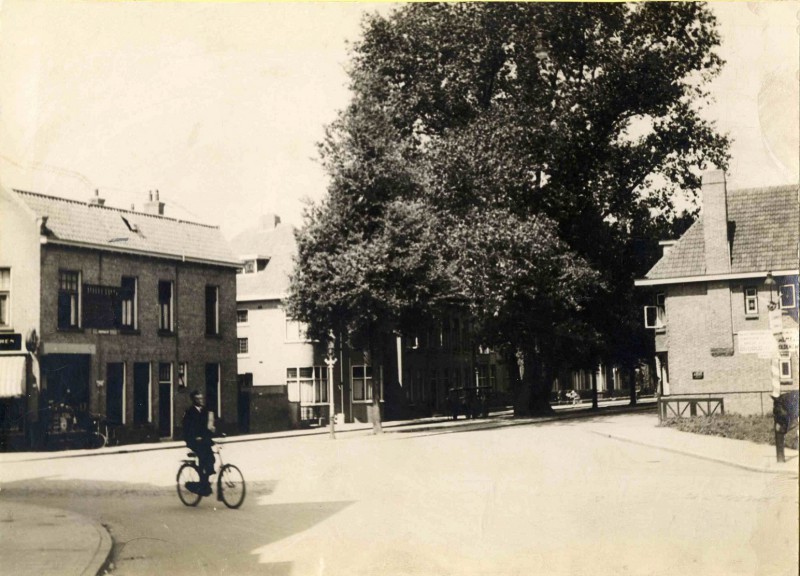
(791, 473)
(102, 556)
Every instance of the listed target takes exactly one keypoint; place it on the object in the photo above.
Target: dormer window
(253, 265)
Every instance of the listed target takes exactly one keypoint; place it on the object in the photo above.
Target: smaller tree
(363, 282)
(525, 290)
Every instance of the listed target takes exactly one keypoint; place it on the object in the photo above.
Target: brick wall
(188, 342)
(696, 342)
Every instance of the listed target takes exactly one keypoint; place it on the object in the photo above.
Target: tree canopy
(529, 150)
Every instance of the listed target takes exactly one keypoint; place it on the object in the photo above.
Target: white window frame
(369, 382)
(77, 310)
(246, 320)
(183, 374)
(307, 390)
(750, 297)
(793, 303)
(5, 297)
(785, 376)
(239, 350)
(130, 308)
(171, 304)
(171, 395)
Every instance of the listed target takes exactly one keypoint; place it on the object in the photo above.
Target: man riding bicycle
(198, 427)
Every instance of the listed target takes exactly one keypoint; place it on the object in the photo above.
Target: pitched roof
(764, 229)
(278, 244)
(105, 228)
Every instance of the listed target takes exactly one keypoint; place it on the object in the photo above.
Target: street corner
(35, 540)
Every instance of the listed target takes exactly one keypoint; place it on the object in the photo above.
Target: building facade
(724, 306)
(120, 313)
(286, 377)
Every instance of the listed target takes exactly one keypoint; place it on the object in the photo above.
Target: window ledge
(751, 316)
(243, 355)
(214, 336)
(76, 330)
(166, 333)
(129, 332)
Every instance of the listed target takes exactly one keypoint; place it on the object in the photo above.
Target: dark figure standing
(198, 427)
(781, 416)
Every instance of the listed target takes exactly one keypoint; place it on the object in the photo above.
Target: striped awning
(12, 376)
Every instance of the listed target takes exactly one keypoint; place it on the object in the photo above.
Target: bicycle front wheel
(231, 486)
(188, 475)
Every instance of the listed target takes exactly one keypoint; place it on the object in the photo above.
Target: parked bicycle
(230, 481)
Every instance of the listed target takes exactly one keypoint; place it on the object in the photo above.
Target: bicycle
(230, 481)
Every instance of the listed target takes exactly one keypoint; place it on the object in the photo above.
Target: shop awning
(12, 376)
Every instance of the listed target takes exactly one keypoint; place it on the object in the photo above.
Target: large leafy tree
(578, 124)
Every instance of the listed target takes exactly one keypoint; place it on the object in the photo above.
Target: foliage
(534, 151)
(758, 429)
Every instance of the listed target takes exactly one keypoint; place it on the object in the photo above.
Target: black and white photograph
(341, 288)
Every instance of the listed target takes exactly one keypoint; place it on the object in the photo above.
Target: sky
(220, 105)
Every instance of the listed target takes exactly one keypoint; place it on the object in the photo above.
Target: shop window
(788, 297)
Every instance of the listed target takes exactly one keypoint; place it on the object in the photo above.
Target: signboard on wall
(765, 344)
(11, 342)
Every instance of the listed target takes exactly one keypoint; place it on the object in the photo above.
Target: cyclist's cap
(195, 393)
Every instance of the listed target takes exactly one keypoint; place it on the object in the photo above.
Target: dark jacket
(195, 425)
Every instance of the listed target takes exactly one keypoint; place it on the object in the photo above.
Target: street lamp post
(329, 362)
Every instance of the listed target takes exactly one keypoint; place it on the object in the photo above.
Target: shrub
(758, 429)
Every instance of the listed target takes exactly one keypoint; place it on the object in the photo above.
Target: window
(69, 300)
(5, 296)
(362, 383)
(129, 303)
(656, 316)
(243, 345)
(212, 389)
(788, 297)
(212, 310)
(786, 369)
(241, 316)
(751, 301)
(308, 385)
(295, 331)
(165, 295)
(183, 375)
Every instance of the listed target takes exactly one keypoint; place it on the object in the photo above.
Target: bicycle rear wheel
(230, 486)
(188, 474)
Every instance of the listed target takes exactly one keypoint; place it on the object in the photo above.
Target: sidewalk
(41, 541)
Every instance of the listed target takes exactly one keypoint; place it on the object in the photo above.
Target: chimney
(270, 221)
(715, 223)
(153, 205)
(96, 200)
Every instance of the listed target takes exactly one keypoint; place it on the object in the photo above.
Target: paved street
(552, 498)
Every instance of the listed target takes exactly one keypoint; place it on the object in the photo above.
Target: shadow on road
(153, 533)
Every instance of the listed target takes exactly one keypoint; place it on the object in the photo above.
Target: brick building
(119, 313)
(285, 377)
(712, 288)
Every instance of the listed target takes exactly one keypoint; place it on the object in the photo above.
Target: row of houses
(119, 313)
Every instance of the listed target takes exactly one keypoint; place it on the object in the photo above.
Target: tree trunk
(519, 387)
(632, 385)
(541, 386)
(376, 361)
